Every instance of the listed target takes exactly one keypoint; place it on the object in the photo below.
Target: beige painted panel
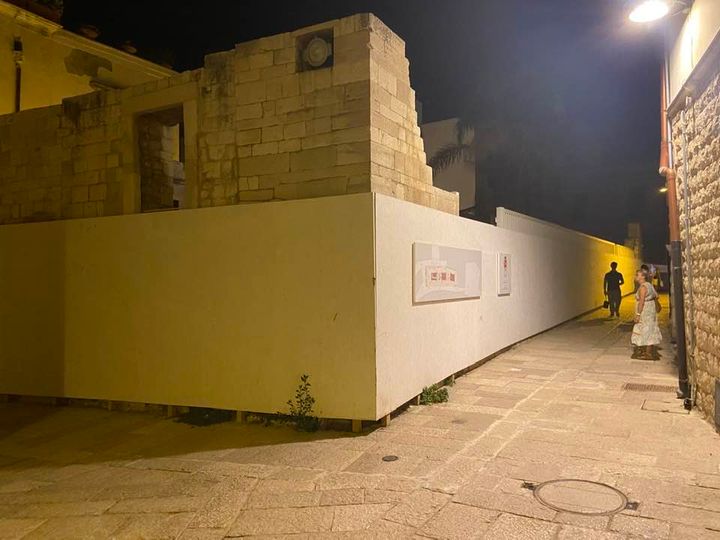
(223, 307)
(553, 280)
(32, 305)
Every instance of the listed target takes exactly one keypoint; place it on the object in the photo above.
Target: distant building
(693, 108)
(634, 239)
(459, 176)
(41, 63)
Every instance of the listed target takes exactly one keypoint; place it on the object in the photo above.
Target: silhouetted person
(611, 288)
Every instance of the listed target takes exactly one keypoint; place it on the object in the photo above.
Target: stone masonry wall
(61, 161)
(72, 160)
(155, 143)
(398, 160)
(265, 130)
(702, 128)
(268, 131)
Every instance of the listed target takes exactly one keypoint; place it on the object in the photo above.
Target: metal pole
(676, 277)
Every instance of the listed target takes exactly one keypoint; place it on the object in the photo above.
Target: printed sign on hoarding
(504, 274)
(445, 273)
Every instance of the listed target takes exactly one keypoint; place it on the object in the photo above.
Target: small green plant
(433, 394)
(301, 408)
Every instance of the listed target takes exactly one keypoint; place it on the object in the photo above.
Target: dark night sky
(602, 71)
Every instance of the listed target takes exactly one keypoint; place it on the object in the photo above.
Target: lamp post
(646, 11)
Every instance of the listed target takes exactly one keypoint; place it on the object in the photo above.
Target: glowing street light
(649, 10)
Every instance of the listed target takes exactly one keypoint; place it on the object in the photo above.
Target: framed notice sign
(504, 284)
(443, 273)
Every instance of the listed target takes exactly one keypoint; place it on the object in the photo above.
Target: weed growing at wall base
(433, 394)
(301, 408)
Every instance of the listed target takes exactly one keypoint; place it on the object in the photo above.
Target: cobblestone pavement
(553, 407)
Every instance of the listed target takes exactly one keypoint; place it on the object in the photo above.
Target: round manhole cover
(581, 497)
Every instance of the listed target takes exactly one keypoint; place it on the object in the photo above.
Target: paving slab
(553, 407)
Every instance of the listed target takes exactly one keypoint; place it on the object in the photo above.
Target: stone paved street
(553, 407)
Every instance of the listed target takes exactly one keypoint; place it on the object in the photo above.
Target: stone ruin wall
(61, 161)
(264, 131)
(702, 127)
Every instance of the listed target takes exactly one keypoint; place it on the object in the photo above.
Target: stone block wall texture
(156, 143)
(61, 161)
(702, 130)
(266, 130)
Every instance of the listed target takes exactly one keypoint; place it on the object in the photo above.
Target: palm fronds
(449, 154)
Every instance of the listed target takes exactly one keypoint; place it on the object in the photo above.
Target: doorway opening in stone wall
(161, 152)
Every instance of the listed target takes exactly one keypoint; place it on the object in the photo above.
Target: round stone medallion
(581, 497)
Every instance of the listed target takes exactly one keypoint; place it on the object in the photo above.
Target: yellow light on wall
(649, 10)
(663, 189)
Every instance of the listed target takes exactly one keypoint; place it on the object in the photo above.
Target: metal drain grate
(637, 387)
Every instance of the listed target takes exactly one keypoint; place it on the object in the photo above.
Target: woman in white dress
(646, 332)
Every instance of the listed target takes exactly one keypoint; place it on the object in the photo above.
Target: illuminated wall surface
(228, 307)
(226, 302)
(696, 145)
(57, 64)
(692, 41)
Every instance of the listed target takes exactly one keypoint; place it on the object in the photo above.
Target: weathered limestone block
(261, 126)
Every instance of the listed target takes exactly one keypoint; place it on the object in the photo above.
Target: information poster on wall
(445, 273)
(504, 283)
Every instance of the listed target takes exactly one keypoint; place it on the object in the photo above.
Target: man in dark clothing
(611, 287)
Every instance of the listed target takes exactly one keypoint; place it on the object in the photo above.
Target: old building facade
(254, 124)
(694, 115)
(41, 63)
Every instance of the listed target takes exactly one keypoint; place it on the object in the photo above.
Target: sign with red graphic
(504, 283)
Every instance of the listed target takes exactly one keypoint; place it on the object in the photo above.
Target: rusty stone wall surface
(700, 127)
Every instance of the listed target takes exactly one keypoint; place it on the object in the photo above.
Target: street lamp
(649, 10)
(645, 11)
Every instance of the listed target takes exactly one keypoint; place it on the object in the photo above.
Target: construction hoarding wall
(220, 307)
(557, 274)
(228, 307)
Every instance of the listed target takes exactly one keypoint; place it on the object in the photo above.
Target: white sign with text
(445, 273)
(504, 282)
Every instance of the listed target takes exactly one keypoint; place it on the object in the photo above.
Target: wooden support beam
(357, 426)
(171, 411)
(385, 420)
(242, 417)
